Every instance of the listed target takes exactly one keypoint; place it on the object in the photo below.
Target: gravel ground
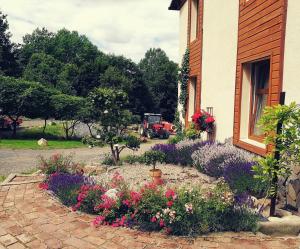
(137, 175)
(20, 161)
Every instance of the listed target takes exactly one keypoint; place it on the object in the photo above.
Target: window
(194, 18)
(260, 74)
(254, 98)
(192, 97)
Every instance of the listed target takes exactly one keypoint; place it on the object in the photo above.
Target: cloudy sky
(127, 27)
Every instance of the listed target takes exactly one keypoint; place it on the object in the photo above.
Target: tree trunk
(113, 153)
(45, 125)
(14, 132)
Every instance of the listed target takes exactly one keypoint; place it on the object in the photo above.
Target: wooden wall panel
(196, 55)
(261, 33)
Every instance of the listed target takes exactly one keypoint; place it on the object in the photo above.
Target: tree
(40, 41)
(68, 79)
(17, 98)
(113, 118)
(67, 109)
(43, 68)
(160, 76)
(8, 50)
(114, 78)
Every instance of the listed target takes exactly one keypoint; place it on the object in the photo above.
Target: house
(243, 54)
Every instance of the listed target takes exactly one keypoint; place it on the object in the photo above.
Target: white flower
(98, 136)
(106, 111)
(158, 215)
(112, 193)
(167, 210)
(189, 208)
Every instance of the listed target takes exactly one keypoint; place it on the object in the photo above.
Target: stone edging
(9, 180)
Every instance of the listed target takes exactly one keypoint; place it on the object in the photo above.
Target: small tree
(153, 157)
(113, 118)
(17, 98)
(67, 109)
(285, 144)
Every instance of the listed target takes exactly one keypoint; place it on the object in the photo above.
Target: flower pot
(156, 176)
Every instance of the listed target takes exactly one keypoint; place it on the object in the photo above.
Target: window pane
(261, 104)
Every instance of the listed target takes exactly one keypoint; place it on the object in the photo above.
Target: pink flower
(44, 185)
(170, 193)
(170, 203)
(135, 197)
(126, 203)
(153, 219)
(161, 223)
(106, 204)
(98, 220)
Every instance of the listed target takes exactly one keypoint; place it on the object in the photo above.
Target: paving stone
(54, 244)
(95, 240)
(16, 246)
(78, 243)
(25, 238)
(7, 240)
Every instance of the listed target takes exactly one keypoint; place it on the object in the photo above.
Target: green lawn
(32, 144)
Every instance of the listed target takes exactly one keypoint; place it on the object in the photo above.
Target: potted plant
(152, 158)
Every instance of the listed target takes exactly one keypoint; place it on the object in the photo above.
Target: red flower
(196, 117)
(161, 223)
(126, 203)
(170, 203)
(170, 193)
(209, 120)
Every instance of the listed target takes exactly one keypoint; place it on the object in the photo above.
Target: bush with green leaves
(153, 157)
(59, 163)
(133, 159)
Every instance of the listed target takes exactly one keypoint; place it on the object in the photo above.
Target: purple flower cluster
(62, 181)
(180, 153)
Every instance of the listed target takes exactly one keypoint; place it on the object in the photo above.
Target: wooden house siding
(195, 55)
(261, 33)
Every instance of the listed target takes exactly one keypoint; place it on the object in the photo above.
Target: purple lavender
(58, 182)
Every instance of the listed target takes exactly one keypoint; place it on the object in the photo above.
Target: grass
(51, 132)
(2, 178)
(32, 144)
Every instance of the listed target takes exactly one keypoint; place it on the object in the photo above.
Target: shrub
(153, 157)
(240, 177)
(176, 139)
(65, 186)
(108, 160)
(212, 158)
(133, 159)
(59, 163)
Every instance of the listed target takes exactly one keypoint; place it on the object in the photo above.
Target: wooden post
(277, 157)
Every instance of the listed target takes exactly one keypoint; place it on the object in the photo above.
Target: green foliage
(286, 144)
(43, 68)
(192, 133)
(153, 157)
(133, 159)
(2, 178)
(183, 80)
(8, 50)
(108, 160)
(23, 98)
(67, 109)
(160, 76)
(58, 163)
(113, 117)
(176, 139)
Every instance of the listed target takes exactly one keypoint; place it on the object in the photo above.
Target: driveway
(22, 161)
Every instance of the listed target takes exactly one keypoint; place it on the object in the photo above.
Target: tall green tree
(8, 50)
(161, 77)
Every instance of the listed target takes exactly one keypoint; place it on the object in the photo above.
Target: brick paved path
(29, 218)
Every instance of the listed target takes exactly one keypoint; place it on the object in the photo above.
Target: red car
(7, 123)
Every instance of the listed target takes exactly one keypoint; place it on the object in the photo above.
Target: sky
(122, 27)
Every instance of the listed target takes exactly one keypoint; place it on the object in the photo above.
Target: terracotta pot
(156, 175)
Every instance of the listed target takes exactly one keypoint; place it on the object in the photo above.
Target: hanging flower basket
(203, 121)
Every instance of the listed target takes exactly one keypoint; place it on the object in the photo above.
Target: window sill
(254, 143)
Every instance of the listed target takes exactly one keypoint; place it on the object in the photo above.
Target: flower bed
(178, 211)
